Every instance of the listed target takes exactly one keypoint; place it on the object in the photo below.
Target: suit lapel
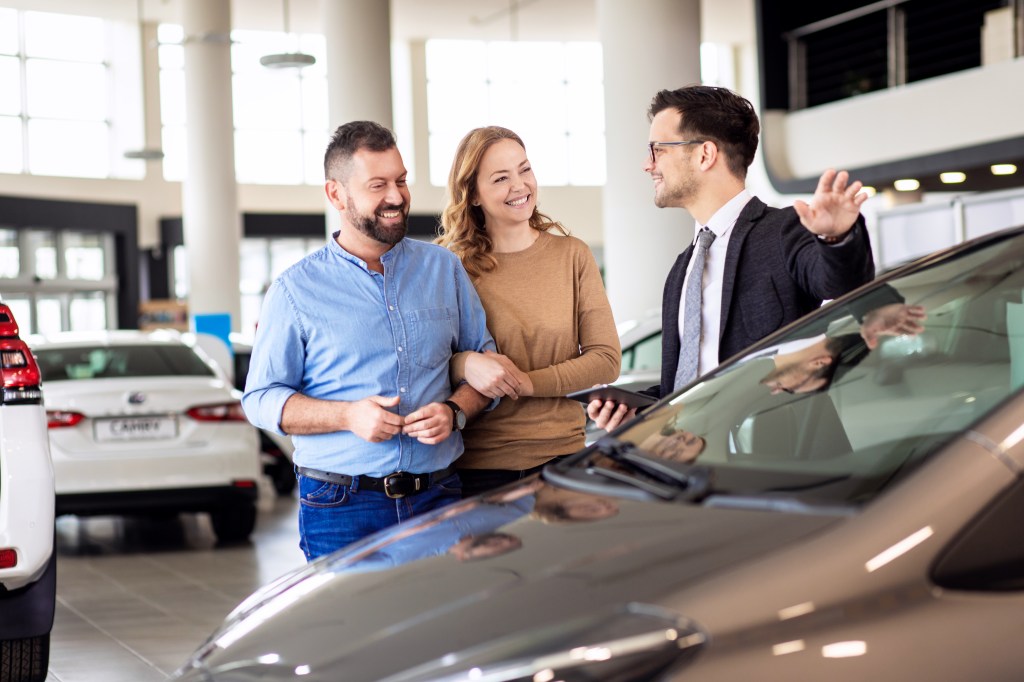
(746, 221)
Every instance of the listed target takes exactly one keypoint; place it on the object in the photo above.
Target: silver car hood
(421, 594)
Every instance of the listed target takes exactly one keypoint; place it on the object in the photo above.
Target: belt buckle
(391, 479)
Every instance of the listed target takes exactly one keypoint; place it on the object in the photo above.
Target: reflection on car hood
(475, 559)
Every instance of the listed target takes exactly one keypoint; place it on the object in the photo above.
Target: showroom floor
(135, 598)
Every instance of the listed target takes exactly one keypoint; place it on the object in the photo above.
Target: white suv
(28, 568)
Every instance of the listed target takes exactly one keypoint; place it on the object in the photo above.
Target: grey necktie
(689, 349)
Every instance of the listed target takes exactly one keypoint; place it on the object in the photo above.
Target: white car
(28, 568)
(142, 423)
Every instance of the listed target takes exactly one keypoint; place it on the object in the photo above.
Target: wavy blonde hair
(463, 229)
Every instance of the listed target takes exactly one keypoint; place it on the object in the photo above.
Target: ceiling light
(1003, 169)
(906, 185)
(952, 177)
(869, 190)
(145, 154)
(287, 60)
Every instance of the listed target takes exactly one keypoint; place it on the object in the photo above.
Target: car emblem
(136, 398)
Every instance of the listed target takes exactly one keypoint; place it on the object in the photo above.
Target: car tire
(25, 660)
(233, 525)
(284, 480)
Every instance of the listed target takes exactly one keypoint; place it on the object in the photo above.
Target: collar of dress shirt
(725, 217)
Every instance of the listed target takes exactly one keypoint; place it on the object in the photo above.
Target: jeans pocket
(321, 494)
(452, 485)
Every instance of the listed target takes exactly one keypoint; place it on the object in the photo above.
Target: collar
(725, 217)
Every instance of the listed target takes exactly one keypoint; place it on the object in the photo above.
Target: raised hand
(834, 207)
(896, 319)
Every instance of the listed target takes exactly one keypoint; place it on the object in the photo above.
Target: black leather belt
(397, 485)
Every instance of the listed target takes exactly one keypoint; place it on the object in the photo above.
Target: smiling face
(675, 180)
(506, 189)
(376, 197)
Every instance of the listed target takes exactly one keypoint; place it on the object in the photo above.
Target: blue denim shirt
(333, 329)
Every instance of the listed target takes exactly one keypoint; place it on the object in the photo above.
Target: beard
(373, 227)
(677, 195)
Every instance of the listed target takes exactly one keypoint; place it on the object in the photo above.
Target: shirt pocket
(431, 333)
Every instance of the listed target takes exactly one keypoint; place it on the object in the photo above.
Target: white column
(649, 45)
(358, 36)
(211, 220)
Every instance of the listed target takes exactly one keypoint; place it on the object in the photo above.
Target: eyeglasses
(652, 145)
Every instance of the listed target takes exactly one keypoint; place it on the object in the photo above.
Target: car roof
(117, 337)
(639, 329)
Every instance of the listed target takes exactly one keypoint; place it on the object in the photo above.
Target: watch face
(460, 420)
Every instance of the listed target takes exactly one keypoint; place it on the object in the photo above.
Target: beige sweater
(548, 312)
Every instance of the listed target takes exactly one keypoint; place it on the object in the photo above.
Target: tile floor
(135, 598)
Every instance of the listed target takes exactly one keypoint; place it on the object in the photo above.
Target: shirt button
(391, 307)
(402, 389)
(399, 349)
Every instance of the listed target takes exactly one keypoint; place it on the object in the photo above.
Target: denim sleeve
(473, 334)
(277, 367)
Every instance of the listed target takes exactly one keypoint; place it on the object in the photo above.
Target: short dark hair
(349, 139)
(716, 114)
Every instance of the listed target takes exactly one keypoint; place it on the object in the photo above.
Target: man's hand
(608, 414)
(430, 424)
(495, 376)
(834, 207)
(370, 419)
(895, 319)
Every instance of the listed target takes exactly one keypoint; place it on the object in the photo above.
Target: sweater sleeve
(600, 355)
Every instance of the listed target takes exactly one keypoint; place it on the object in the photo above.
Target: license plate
(136, 428)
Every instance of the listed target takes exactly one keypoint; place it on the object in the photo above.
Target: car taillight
(20, 372)
(56, 419)
(222, 412)
(8, 558)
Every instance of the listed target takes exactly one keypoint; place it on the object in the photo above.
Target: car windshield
(113, 362)
(844, 404)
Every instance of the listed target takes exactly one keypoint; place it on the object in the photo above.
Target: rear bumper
(156, 500)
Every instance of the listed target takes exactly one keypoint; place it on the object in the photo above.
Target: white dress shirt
(721, 224)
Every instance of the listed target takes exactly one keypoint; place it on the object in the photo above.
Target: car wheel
(283, 477)
(25, 660)
(234, 524)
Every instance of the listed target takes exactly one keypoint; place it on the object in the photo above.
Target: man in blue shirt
(351, 356)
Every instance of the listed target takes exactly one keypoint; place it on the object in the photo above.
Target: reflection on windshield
(845, 403)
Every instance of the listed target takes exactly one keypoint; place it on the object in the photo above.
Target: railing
(872, 47)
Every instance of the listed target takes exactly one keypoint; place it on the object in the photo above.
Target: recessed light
(952, 177)
(1003, 169)
(906, 185)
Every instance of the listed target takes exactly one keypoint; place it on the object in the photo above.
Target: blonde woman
(546, 308)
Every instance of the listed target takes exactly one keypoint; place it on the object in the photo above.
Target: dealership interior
(161, 164)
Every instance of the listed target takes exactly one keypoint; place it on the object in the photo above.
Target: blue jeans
(332, 516)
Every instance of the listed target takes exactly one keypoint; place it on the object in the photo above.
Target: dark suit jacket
(776, 271)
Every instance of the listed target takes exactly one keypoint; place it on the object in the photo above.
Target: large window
(56, 280)
(280, 115)
(65, 109)
(551, 94)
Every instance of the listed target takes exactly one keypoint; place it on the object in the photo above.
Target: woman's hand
(495, 376)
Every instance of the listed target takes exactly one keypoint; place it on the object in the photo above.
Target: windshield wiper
(669, 481)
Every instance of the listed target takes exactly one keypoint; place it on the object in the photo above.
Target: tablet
(609, 392)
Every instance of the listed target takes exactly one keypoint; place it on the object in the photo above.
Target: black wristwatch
(458, 416)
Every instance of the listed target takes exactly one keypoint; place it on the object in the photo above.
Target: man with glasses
(757, 268)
